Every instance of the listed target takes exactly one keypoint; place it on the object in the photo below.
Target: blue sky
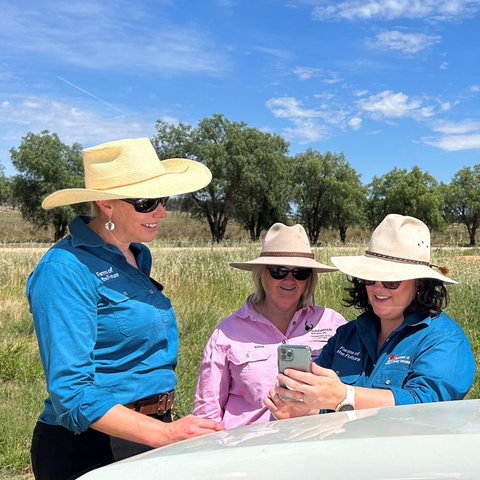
(391, 83)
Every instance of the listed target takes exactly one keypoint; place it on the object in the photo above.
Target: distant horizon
(388, 83)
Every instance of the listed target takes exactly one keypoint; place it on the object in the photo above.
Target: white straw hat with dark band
(287, 247)
(131, 169)
(399, 250)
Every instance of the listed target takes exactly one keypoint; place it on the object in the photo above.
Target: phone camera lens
(289, 354)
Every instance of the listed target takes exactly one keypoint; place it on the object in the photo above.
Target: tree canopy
(45, 165)
(413, 193)
(242, 160)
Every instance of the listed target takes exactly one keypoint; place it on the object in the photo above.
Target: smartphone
(297, 357)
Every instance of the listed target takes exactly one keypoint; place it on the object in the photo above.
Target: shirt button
(387, 340)
(125, 293)
(387, 382)
(150, 292)
(337, 372)
(284, 342)
(294, 323)
(247, 355)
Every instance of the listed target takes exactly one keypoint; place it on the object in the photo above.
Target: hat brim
(285, 262)
(377, 269)
(193, 176)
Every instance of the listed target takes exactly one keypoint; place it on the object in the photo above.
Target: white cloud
(34, 114)
(360, 93)
(475, 88)
(7, 76)
(275, 52)
(324, 96)
(406, 42)
(334, 78)
(452, 128)
(393, 9)
(355, 123)
(444, 65)
(290, 107)
(98, 35)
(306, 131)
(445, 106)
(453, 143)
(305, 73)
(387, 104)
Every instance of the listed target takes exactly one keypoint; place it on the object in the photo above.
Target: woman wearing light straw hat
(402, 349)
(107, 334)
(239, 363)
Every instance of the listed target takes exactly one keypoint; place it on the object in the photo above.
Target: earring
(109, 225)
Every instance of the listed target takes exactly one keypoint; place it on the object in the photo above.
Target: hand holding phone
(297, 357)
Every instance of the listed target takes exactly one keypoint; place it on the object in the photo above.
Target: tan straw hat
(286, 247)
(399, 250)
(131, 169)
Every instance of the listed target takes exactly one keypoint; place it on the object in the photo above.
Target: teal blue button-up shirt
(426, 359)
(107, 334)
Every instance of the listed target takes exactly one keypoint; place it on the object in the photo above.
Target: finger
(303, 377)
(322, 372)
(270, 404)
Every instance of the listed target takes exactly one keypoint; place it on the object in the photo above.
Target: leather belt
(158, 405)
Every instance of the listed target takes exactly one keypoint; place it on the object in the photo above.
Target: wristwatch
(349, 402)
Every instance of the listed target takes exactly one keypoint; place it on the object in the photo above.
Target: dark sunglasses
(146, 205)
(279, 273)
(388, 285)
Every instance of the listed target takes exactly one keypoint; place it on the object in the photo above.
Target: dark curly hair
(431, 297)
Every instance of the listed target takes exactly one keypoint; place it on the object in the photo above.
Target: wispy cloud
(333, 78)
(449, 127)
(444, 66)
(355, 123)
(304, 73)
(93, 35)
(306, 131)
(406, 42)
(23, 114)
(451, 143)
(392, 9)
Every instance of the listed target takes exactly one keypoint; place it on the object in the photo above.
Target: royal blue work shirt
(426, 359)
(107, 334)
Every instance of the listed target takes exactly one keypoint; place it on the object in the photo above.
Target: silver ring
(301, 399)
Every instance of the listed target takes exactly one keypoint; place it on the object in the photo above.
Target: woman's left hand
(321, 389)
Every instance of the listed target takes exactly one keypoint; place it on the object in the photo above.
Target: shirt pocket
(392, 376)
(253, 372)
(132, 315)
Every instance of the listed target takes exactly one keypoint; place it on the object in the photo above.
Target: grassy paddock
(203, 290)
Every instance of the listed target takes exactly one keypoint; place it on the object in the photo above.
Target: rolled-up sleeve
(64, 307)
(213, 383)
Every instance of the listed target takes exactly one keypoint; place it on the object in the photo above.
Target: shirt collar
(247, 310)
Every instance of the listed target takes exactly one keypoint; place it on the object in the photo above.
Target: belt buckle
(165, 402)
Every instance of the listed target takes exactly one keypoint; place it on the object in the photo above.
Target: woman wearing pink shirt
(239, 363)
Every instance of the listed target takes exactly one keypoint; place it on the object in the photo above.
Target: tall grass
(203, 290)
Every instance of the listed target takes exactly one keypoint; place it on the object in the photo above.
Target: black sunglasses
(279, 273)
(388, 285)
(146, 205)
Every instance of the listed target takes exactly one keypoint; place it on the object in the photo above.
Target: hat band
(397, 259)
(287, 254)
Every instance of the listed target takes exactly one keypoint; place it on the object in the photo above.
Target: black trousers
(59, 454)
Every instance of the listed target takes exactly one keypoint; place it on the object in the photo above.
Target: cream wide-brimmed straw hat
(131, 169)
(399, 250)
(287, 247)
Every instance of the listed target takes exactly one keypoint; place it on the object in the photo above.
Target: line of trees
(255, 183)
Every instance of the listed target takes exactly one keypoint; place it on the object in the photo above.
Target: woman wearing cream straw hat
(402, 349)
(239, 363)
(107, 334)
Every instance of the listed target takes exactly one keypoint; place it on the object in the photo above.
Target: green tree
(462, 199)
(315, 187)
(413, 193)
(348, 199)
(236, 156)
(5, 184)
(45, 165)
(264, 190)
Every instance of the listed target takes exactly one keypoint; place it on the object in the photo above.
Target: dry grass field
(203, 290)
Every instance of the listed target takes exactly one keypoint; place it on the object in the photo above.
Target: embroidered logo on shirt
(396, 359)
(107, 275)
(321, 334)
(350, 354)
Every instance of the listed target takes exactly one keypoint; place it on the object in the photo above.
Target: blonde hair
(258, 272)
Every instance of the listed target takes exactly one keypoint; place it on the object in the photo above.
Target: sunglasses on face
(146, 205)
(388, 285)
(279, 273)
